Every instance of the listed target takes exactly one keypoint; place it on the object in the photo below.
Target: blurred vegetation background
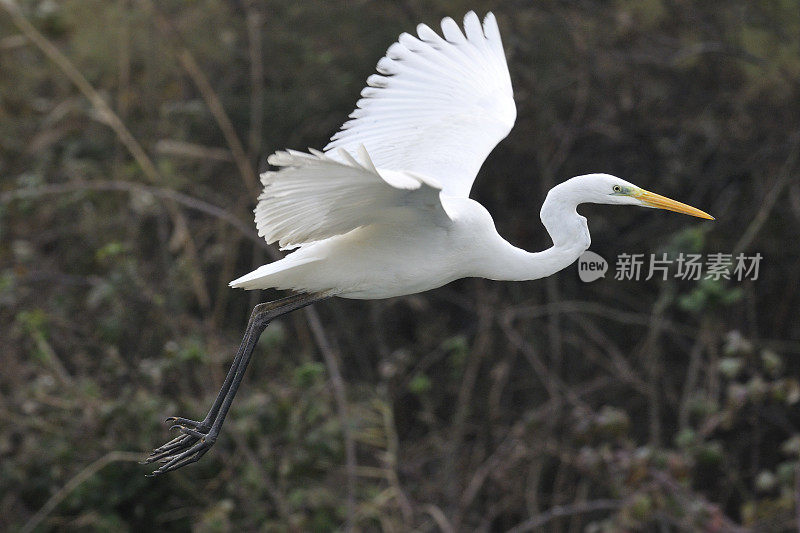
(131, 136)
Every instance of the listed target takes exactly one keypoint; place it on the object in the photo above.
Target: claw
(188, 431)
(193, 433)
(171, 448)
(180, 421)
(171, 445)
(168, 445)
(195, 440)
(178, 460)
(187, 461)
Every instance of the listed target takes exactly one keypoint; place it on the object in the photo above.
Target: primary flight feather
(438, 105)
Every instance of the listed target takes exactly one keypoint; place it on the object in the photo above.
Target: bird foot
(196, 439)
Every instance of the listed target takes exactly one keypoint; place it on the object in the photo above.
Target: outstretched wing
(438, 105)
(313, 196)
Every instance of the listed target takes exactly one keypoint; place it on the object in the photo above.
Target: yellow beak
(662, 202)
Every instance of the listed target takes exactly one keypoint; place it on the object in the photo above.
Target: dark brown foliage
(130, 138)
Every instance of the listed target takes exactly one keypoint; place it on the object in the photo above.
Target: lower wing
(313, 196)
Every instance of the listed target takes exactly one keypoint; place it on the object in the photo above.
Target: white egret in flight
(385, 211)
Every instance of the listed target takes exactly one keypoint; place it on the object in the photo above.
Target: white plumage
(438, 106)
(385, 210)
(314, 196)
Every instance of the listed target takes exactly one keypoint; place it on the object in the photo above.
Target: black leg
(198, 437)
(259, 312)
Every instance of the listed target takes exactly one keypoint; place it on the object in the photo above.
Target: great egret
(385, 210)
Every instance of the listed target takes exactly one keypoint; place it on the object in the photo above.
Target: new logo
(591, 266)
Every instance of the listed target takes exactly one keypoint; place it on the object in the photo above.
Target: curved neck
(568, 231)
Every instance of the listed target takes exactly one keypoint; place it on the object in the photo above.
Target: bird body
(389, 258)
(385, 210)
(405, 255)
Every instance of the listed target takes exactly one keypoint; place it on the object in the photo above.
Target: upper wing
(314, 196)
(438, 106)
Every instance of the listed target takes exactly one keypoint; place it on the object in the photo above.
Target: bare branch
(332, 362)
(566, 510)
(67, 67)
(126, 186)
(255, 19)
(191, 150)
(768, 204)
(212, 99)
(112, 119)
(72, 484)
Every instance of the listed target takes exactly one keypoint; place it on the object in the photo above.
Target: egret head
(608, 189)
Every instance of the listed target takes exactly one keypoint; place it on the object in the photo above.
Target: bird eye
(617, 188)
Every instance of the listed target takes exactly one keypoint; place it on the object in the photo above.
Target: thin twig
(392, 459)
(797, 496)
(254, 21)
(551, 383)
(650, 357)
(593, 308)
(618, 365)
(439, 517)
(281, 505)
(506, 454)
(108, 116)
(72, 484)
(123, 79)
(768, 204)
(68, 68)
(692, 374)
(130, 187)
(566, 510)
(51, 358)
(191, 150)
(687, 497)
(212, 99)
(339, 392)
(464, 401)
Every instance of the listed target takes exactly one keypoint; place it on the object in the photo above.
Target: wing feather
(313, 196)
(438, 105)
